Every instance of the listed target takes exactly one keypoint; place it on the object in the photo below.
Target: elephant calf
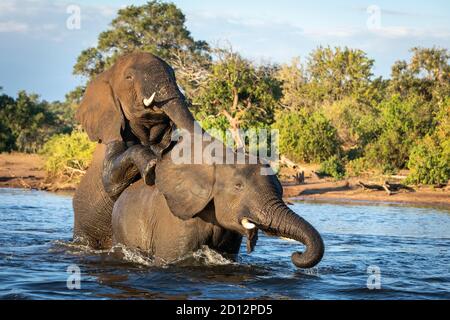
(211, 204)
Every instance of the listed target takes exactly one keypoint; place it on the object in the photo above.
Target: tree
(429, 161)
(294, 84)
(339, 72)
(328, 75)
(401, 123)
(155, 27)
(307, 137)
(7, 140)
(27, 122)
(427, 75)
(238, 95)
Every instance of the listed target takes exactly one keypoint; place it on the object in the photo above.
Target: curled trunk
(283, 222)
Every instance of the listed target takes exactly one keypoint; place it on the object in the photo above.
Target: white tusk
(288, 239)
(148, 102)
(247, 224)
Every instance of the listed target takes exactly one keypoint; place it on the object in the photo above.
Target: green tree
(31, 122)
(401, 123)
(155, 27)
(7, 139)
(333, 167)
(238, 95)
(339, 72)
(27, 122)
(307, 137)
(354, 121)
(429, 161)
(67, 156)
(427, 75)
(328, 75)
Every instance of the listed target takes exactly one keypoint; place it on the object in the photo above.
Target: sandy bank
(19, 170)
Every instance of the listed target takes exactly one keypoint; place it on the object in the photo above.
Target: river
(372, 252)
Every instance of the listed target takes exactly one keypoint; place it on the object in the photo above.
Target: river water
(372, 252)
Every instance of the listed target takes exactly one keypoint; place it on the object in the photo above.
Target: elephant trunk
(285, 223)
(177, 110)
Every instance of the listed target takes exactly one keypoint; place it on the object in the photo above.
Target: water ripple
(410, 246)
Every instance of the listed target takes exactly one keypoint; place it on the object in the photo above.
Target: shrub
(332, 167)
(307, 137)
(429, 162)
(356, 167)
(402, 122)
(67, 156)
(354, 121)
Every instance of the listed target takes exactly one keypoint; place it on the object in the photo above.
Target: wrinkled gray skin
(131, 137)
(192, 205)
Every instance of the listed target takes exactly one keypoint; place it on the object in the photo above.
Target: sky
(40, 39)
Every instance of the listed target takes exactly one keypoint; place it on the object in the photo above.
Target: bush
(402, 122)
(356, 167)
(67, 156)
(354, 121)
(332, 167)
(307, 137)
(429, 162)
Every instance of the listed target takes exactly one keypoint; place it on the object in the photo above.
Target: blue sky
(38, 51)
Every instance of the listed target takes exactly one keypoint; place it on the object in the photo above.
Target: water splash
(203, 256)
(209, 257)
(135, 256)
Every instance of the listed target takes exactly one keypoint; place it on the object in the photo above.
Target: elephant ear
(187, 188)
(98, 113)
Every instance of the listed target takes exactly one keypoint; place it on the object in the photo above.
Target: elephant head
(133, 99)
(244, 200)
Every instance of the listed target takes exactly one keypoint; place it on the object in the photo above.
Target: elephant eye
(129, 77)
(238, 186)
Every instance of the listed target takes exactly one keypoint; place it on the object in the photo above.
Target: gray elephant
(190, 205)
(128, 110)
(211, 203)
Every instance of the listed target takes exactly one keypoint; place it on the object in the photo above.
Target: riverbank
(26, 171)
(18, 170)
(350, 191)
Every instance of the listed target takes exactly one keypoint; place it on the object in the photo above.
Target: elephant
(213, 203)
(129, 110)
(183, 206)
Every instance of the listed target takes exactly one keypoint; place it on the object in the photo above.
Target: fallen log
(386, 186)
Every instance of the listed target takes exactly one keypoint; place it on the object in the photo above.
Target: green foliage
(307, 137)
(27, 122)
(7, 139)
(356, 167)
(401, 122)
(427, 75)
(328, 75)
(67, 156)
(354, 121)
(339, 72)
(429, 162)
(240, 92)
(333, 167)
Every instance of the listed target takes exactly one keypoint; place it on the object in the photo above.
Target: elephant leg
(123, 165)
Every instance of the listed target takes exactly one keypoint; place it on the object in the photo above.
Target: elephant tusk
(287, 239)
(148, 102)
(247, 224)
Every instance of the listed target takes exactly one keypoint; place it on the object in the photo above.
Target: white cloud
(13, 26)
(388, 32)
(395, 32)
(46, 19)
(335, 32)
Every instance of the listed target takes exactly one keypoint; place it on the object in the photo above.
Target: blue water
(409, 246)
